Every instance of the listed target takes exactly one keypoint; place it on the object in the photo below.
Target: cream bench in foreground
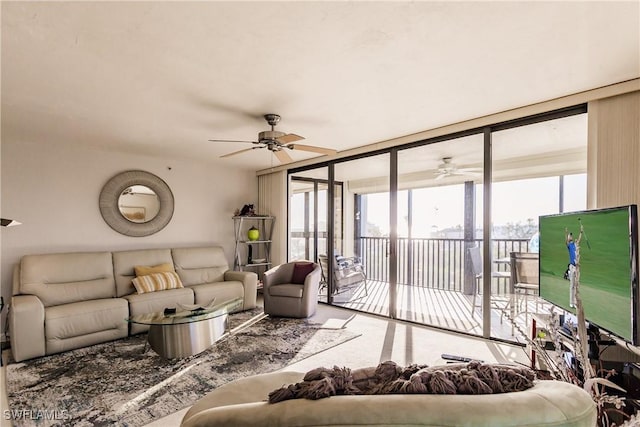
(243, 403)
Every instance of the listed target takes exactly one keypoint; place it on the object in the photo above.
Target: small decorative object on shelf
(247, 210)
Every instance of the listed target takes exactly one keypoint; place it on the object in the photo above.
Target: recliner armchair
(284, 298)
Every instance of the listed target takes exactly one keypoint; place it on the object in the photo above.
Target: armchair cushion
(291, 290)
(300, 272)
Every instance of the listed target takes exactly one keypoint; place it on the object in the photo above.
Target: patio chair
(477, 267)
(348, 273)
(525, 279)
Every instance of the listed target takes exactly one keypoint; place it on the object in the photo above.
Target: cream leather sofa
(243, 403)
(64, 301)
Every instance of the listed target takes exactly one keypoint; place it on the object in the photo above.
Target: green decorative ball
(253, 234)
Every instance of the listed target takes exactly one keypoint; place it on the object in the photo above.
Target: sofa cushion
(300, 271)
(200, 265)
(124, 263)
(222, 291)
(67, 277)
(84, 318)
(157, 282)
(143, 270)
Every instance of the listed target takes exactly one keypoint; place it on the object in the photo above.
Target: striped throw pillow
(143, 270)
(157, 282)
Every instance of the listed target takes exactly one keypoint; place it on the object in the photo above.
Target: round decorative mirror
(139, 204)
(136, 203)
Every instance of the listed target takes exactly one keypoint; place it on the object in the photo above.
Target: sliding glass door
(438, 218)
(362, 242)
(309, 220)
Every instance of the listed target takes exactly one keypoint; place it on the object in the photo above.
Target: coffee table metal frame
(186, 333)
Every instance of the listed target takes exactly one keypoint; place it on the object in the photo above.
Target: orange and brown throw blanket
(389, 378)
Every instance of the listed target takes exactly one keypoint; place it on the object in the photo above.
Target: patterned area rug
(117, 383)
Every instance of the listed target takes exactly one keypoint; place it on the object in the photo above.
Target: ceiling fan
(448, 168)
(276, 142)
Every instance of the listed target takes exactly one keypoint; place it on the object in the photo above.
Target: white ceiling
(161, 78)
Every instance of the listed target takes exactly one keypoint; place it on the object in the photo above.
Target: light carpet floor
(380, 340)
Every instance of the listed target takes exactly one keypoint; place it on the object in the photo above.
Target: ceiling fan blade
(290, 137)
(440, 176)
(283, 156)
(312, 148)
(233, 140)
(238, 152)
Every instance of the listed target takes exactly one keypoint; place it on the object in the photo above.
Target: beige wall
(614, 151)
(53, 190)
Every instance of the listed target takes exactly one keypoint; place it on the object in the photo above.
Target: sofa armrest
(249, 280)
(26, 325)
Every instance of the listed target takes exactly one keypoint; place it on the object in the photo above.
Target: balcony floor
(440, 308)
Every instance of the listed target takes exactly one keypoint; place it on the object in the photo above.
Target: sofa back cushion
(67, 277)
(124, 263)
(200, 265)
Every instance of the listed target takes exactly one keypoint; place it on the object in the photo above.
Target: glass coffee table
(187, 332)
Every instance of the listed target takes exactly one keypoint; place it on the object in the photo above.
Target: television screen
(605, 240)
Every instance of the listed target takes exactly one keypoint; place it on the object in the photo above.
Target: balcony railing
(431, 262)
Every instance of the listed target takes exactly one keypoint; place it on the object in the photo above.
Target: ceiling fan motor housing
(269, 135)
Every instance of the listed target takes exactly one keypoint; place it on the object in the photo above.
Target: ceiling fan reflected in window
(277, 142)
(448, 168)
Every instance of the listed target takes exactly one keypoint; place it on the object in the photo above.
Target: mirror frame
(110, 211)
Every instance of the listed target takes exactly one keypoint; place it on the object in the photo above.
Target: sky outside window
(441, 208)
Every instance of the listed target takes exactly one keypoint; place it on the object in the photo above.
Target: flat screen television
(608, 281)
